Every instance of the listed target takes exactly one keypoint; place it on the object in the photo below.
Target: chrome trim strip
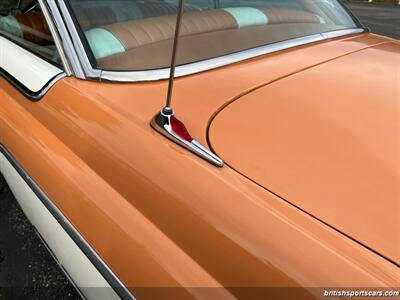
(80, 49)
(56, 37)
(49, 250)
(338, 33)
(66, 41)
(49, 85)
(30, 9)
(33, 96)
(217, 62)
(91, 254)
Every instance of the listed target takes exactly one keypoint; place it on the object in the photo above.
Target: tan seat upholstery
(92, 14)
(134, 34)
(147, 43)
(285, 16)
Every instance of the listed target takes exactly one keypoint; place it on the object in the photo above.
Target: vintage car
(272, 170)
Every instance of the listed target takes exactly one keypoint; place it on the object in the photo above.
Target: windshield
(131, 35)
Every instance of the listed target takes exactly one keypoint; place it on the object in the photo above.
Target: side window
(23, 22)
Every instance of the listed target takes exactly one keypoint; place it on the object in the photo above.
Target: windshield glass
(138, 35)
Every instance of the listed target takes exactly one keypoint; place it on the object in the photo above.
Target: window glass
(138, 34)
(23, 23)
(7, 5)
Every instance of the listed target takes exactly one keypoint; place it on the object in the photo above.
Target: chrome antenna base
(169, 126)
(168, 111)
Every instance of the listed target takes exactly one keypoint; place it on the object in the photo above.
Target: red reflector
(179, 128)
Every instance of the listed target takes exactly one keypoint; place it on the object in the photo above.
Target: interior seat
(146, 43)
(99, 13)
(151, 30)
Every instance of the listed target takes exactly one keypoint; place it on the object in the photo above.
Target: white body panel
(78, 267)
(31, 71)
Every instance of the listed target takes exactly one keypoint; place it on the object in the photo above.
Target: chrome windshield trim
(338, 33)
(80, 49)
(220, 61)
(66, 40)
(56, 37)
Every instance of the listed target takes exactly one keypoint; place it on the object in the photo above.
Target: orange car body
(307, 199)
(279, 214)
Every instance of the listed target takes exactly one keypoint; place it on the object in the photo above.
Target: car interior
(24, 23)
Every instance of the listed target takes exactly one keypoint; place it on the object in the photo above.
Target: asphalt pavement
(383, 19)
(28, 271)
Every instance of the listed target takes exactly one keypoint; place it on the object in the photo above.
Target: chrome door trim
(33, 96)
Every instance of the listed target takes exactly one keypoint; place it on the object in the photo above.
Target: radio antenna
(168, 108)
(165, 121)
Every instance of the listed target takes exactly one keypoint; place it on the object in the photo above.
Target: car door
(30, 69)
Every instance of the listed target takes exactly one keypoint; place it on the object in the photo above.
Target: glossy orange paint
(329, 144)
(160, 216)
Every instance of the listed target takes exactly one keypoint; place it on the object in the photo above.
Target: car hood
(327, 140)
